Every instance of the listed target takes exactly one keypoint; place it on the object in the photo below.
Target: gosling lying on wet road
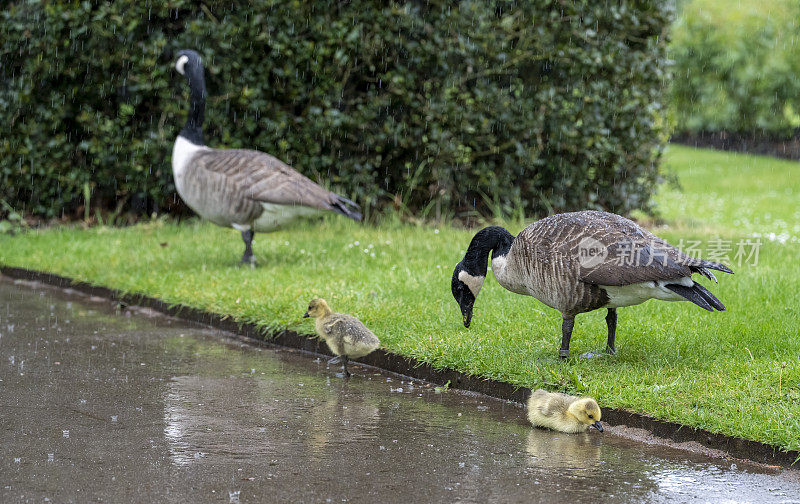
(345, 335)
(563, 412)
(582, 261)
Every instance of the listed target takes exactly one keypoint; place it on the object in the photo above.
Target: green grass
(721, 371)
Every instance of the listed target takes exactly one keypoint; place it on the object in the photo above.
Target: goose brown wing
(632, 254)
(629, 262)
(607, 249)
(261, 177)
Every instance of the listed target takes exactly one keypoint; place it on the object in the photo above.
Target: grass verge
(736, 372)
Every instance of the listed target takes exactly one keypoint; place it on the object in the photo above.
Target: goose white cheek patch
(181, 63)
(473, 282)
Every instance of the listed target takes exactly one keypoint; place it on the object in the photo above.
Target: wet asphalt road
(98, 406)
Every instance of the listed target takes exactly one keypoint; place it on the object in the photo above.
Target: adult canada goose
(582, 261)
(346, 336)
(563, 412)
(247, 190)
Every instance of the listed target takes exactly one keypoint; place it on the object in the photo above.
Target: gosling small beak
(597, 426)
(305, 315)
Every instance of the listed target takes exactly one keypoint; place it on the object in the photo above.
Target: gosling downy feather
(247, 190)
(345, 335)
(582, 261)
(563, 412)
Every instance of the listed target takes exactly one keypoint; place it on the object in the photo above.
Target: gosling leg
(344, 366)
(248, 257)
(611, 321)
(566, 334)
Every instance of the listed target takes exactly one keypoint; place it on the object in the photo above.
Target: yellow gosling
(563, 412)
(346, 336)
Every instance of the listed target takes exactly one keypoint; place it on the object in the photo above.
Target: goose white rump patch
(275, 216)
(633, 294)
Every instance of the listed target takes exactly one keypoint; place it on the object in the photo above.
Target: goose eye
(590, 416)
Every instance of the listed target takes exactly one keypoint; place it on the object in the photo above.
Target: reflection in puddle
(557, 450)
(176, 418)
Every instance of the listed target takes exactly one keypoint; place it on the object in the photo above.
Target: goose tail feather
(346, 207)
(698, 295)
(703, 267)
(706, 273)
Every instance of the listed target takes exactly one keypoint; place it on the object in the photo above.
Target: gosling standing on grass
(345, 335)
(563, 412)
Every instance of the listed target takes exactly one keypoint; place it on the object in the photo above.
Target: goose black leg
(611, 321)
(248, 257)
(566, 334)
(344, 366)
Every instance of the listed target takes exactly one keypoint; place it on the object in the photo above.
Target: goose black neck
(494, 239)
(193, 130)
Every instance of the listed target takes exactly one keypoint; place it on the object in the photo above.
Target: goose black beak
(597, 426)
(305, 315)
(466, 312)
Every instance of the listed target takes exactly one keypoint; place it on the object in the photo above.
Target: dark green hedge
(436, 106)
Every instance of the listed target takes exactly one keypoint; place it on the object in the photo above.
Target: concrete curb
(733, 446)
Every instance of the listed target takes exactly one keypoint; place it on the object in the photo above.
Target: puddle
(98, 406)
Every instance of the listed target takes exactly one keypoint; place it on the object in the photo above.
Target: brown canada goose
(582, 261)
(247, 190)
(563, 412)
(345, 335)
